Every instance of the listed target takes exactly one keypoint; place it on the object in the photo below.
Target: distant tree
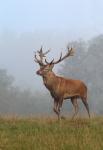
(13, 100)
(6, 80)
(72, 66)
(95, 71)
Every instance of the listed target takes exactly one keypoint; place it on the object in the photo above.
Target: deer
(59, 87)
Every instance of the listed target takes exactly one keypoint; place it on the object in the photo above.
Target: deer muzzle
(39, 72)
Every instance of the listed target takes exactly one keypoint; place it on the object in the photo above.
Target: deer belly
(68, 95)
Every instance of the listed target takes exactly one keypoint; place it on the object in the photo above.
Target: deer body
(62, 88)
(65, 88)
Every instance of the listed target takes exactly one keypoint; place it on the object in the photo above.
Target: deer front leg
(60, 106)
(75, 104)
(57, 106)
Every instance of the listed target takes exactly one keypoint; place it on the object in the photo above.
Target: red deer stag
(59, 87)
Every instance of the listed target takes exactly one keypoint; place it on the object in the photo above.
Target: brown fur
(62, 88)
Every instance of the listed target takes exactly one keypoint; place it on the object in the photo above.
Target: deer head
(46, 66)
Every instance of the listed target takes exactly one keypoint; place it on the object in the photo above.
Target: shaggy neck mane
(49, 79)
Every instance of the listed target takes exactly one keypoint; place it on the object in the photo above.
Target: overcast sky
(25, 25)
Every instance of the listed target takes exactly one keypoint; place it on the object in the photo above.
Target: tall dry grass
(46, 133)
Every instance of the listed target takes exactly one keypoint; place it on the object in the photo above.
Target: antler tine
(49, 62)
(37, 60)
(41, 55)
(69, 53)
(60, 57)
(52, 62)
(39, 51)
(46, 52)
(46, 61)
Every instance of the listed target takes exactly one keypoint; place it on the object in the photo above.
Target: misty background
(24, 27)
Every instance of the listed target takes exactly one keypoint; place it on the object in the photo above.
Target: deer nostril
(37, 72)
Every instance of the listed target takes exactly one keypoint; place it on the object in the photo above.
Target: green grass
(49, 134)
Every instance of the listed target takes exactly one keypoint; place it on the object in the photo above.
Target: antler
(41, 55)
(69, 53)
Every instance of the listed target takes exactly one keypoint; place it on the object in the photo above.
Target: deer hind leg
(75, 104)
(84, 100)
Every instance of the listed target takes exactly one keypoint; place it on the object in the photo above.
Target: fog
(24, 27)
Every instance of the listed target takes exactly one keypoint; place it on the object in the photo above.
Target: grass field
(49, 134)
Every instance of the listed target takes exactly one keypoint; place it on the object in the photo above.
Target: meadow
(46, 133)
